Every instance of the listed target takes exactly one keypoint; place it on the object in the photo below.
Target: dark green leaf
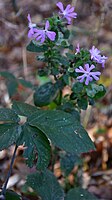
(82, 103)
(25, 83)
(96, 91)
(45, 94)
(63, 130)
(70, 56)
(66, 34)
(12, 86)
(77, 87)
(9, 134)
(7, 75)
(101, 92)
(36, 141)
(8, 115)
(34, 47)
(66, 79)
(69, 107)
(10, 195)
(63, 60)
(79, 194)
(68, 161)
(23, 109)
(46, 185)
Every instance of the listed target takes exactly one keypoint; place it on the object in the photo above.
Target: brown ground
(93, 26)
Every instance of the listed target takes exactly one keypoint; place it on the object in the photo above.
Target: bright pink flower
(68, 13)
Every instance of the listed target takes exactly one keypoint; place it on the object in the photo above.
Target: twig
(25, 63)
(3, 193)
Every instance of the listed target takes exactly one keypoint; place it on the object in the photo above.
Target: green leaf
(101, 92)
(10, 195)
(45, 94)
(82, 103)
(96, 91)
(9, 134)
(12, 86)
(23, 109)
(7, 75)
(69, 107)
(36, 142)
(25, 83)
(79, 194)
(46, 185)
(66, 79)
(63, 130)
(8, 115)
(68, 161)
(33, 46)
(66, 34)
(63, 60)
(77, 87)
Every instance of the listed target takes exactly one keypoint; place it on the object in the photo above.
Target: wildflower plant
(53, 126)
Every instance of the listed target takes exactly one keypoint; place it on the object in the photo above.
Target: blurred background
(93, 26)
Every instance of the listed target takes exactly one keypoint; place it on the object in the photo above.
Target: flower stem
(3, 193)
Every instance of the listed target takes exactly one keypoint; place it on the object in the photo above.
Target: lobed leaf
(10, 195)
(36, 143)
(23, 109)
(68, 161)
(9, 134)
(34, 47)
(79, 194)
(46, 185)
(8, 115)
(63, 131)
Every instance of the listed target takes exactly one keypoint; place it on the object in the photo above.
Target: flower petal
(95, 77)
(88, 79)
(81, 78)
(30, 33)
(87, 67)
(92, 67)
(67, 8)
(60, 6)
(42, 37)
(29, 18)
(51, 35)
(47, 25)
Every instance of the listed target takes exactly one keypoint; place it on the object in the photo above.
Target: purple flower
(101, 60)
(68, 13)
(42, 34)
(78, 48)
(31, 26)
(95, 55)
(87, 76)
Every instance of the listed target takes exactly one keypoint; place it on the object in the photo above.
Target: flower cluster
(88, 75)
(95, 55)
(40, 34)
(88, 72)
(68, 13)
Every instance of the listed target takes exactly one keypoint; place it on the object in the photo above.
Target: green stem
(3, 193)
(60, 98)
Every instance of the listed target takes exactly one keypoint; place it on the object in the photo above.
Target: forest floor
(93, 26)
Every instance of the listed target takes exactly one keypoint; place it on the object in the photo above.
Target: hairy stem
(9, 173)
